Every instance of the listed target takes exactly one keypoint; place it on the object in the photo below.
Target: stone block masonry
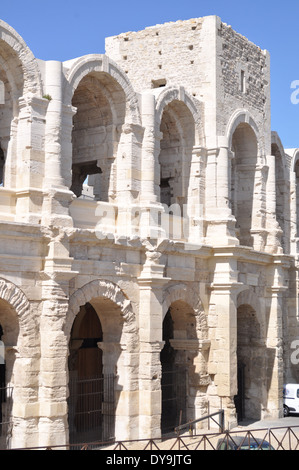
(149, 237)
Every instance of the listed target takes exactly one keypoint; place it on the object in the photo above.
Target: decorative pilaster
(276, 361)
(224, 291)
(30, 159)
(151, 283)
(220, 222)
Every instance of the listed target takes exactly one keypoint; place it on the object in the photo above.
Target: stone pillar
(57, 151)
(224, 291)
(194, 357)
(128, 181)
(196, 197)
(53, 424)
(276, 362)
(53, 145)
(150, 206)
(30, 159)
(220, 222)
(150, 176)
(151, 284)
(120, 361)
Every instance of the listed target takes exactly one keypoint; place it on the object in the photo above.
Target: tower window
(243, 81)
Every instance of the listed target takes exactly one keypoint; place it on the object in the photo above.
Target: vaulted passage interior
(183, 396)
(93, 360)
(177, 127)
(252, 365)
(97, 124)
(244, 181)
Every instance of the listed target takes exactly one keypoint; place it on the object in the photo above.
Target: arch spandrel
(105, 290)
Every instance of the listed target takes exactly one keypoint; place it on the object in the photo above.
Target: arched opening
(101, 107)
(182, 364)
(86, 379)
(243, 181)
(251, 360)
(178, 139)
(94, 388)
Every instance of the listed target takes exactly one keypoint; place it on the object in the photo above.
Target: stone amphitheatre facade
(148, 234)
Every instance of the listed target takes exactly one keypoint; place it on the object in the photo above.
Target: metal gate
(6, 402)
(239, 399)
(91, 409)
(174, 398)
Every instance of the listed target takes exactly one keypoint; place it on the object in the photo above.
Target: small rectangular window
(243, 81)
(159, 83)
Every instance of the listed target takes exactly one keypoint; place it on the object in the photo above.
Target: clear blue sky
(65, 29)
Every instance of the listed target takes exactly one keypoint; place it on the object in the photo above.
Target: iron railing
(6, 402)
(279, 438)
(91, 409)
(191, 424)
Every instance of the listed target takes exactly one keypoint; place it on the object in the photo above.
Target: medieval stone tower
(148, 237)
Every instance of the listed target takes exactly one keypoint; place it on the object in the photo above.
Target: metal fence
(279, 438)
(91, 409)
(6, 402)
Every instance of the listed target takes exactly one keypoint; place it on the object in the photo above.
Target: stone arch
(295, 159)
(248, 180)
(102, 63)
(178, 128)
(106, 108)
(248, 297)
(117, 343)
(170, 94)
(242, 116)
(184, 357)
(18, 301)
(101, 289)
(189, 296)
(12, 40)
(276, 142)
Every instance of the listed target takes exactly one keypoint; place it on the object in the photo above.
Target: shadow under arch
(184, 358)
(102, 63)
(248, 175)
(105, 109)
(168, 95)
(111, 333)
(254, 359)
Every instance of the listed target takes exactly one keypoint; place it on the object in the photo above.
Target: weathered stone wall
(158, 124)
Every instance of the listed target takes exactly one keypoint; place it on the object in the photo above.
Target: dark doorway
(173, 383)
(240, 397)
(90, 392)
